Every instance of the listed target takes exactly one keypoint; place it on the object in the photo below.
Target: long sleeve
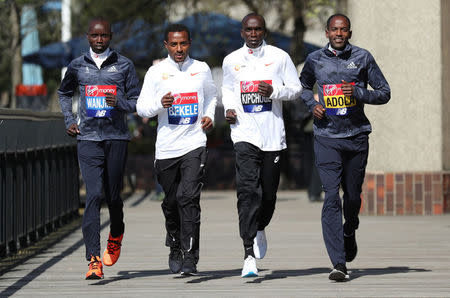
(228, 98)
(148, 105)
(210, 93)
(381, 93)
(128, 104)
(291, 88)
(308, 79)
(66, 91)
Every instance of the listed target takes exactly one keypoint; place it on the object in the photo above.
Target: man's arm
(308, 80)
(291, 87)
(148, 105)
(209, 105)
(381, 93)
(228, 100)
(65, 93)
(131, 89)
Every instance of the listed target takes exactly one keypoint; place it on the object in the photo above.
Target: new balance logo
(352, 65)
(112, 69)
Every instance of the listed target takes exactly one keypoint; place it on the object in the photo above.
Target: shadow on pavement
(280, 274)
(356, 273)
(124, 275)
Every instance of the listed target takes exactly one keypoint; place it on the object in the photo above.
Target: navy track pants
(340, 162)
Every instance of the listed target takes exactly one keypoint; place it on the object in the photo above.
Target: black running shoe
(175, 259)
(189, 265)
(350, 247)
(339, 273)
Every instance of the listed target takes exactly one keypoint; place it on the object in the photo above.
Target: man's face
(253, 31)
(99, 36)
(338, 32)
(178, 44)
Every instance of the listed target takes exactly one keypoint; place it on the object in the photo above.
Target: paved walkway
(398, 257)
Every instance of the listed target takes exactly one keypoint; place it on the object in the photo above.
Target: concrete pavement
(403, 256)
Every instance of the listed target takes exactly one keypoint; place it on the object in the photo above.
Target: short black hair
(176, 28)
(253, 14)
(98, 20)
(338, 15)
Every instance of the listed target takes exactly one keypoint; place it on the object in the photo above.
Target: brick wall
(425, 193)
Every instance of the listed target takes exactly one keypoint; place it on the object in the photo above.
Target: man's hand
(318, 111)
(207, 123)
(73, 130)
(230, 116)
(167, 100)
(111, 99)
(265, 89)
(347, 89)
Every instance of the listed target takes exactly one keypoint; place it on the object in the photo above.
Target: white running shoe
(249, 269)
(260, 244)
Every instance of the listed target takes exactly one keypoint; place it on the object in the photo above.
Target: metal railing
(39, 182)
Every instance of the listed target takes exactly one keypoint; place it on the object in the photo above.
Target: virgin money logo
(249, 86)
(332, 90)
(92, 90)
(184, 98)
(100, 90)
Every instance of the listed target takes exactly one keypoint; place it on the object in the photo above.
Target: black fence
(39, 182)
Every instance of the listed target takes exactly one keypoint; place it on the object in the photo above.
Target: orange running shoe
(112, 250)
(95, 268)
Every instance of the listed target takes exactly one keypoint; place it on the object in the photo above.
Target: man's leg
(270, 179)
(167, 173)
(354, 161)
(92, 159)
(248, 171)
(329, 165)
(116, 157)
(188, 197)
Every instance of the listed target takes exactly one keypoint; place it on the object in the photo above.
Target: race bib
(95, 100)
(184, 109)
(251, 100)
(335, 102)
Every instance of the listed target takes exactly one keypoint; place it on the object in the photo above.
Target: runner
(256, 78)
(341, 131)
(180, 90)
(108, 88)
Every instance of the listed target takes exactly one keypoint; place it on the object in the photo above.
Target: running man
(181, 92)
(256, 79)
(341, 132)
(108, 88)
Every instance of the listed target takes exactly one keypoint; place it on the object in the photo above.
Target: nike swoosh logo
(195, 73)
(267, 64)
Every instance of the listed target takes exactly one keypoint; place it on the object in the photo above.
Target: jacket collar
(250, 53)
(181, 66)
(345, 51)
(113, 57)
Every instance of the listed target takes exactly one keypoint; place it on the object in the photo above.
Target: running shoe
(350, 247)
(112, 250)
(260, 244)
(189, 264)
(175, 259)
(249, 269)
(339, 273)
(95, 268)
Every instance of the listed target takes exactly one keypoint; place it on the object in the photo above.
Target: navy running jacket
(97, 121)
(344, 117)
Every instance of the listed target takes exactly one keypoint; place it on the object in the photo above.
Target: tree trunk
(297, 47)
(16, 62)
